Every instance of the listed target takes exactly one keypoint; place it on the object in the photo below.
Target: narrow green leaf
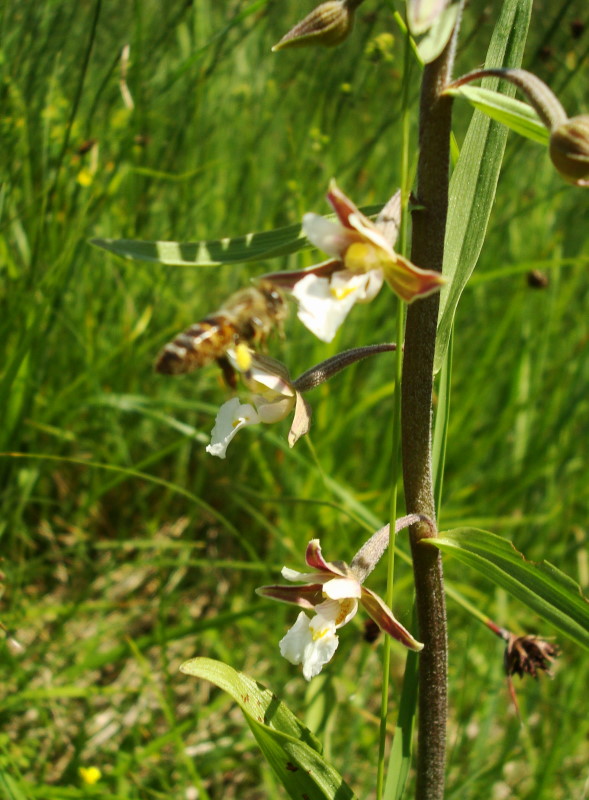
(542, 587)
(401, 749)
(441, 426)
(214, 252)
(515, 114)
(474, 181)
(292, 750)
(251, 247)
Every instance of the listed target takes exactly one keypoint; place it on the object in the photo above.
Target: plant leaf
(515, 114)
(214, 252)
(402, 746)
(292, 750)
(251, 247)
(474, 180)
(547, 591)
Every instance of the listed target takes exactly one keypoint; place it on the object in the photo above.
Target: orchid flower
(362, 259)
(273, 397)
(324, 303)
(332, 592)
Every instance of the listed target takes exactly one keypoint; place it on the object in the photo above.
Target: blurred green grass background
(125, 548)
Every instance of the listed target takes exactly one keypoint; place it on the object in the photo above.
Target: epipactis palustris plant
(362, 260)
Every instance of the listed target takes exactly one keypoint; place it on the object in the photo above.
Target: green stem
(396, 444)
(386, 656)
(427, 251)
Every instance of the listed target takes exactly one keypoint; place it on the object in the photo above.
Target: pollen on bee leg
(243, 357)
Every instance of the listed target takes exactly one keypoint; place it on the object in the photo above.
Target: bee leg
(229, 374)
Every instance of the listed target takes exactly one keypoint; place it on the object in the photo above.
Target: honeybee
(247, 317)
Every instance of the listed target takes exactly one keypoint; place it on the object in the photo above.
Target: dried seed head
(527, 655)
(327, 25)
(569, 150)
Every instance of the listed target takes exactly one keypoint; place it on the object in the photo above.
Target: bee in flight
(247, 318)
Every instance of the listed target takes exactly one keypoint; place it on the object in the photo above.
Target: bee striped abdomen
(248, 316)
(199, 345)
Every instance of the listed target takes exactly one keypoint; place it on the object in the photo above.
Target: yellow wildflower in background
(90, 775)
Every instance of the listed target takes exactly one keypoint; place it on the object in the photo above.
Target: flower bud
(326, 25)
(569, 150)
(422, 14)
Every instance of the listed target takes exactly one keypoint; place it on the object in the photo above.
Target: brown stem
(427, 251)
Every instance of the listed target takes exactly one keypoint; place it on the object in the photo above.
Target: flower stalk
(569, 138)
(429, 224)
(322, 372)
(545, 102)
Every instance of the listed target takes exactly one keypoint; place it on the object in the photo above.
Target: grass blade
(401, 749)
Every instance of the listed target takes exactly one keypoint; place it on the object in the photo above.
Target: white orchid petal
(293, 644)
(310, 646)
(326, 614)
(318, 653)
(371, 233)
(324, 303)
(340, 588)
(259, 379)
(362, 287)
(302, 577)
(319, 309)
(373, 285)
(338, 612)
(331, 237)
(231, 417)
(273, 410)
